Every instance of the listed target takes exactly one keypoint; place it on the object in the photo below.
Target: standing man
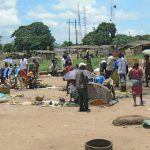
(147, 69)
(122, 71)
(36, 68)
(23, 68)
(109, 68)
(81, 84)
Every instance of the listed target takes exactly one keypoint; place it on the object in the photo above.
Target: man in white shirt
(23, 63)
(23, 68)
(122, 71)
(109, 68)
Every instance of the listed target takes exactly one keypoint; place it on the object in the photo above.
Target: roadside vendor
(23, 68)
(81, 84)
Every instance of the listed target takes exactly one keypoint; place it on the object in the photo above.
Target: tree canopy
(122, 39)
(66, 43)
(103, 34)
(36, 36)
(9, 47)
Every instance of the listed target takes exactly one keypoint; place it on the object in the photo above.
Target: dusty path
(45, 128)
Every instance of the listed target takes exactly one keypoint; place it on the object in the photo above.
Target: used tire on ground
(99, 144)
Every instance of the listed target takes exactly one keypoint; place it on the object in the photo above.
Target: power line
(112, 10)
(84, 20)
(76, 31)
(79, 23)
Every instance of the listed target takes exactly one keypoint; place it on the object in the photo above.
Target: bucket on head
(98, 144)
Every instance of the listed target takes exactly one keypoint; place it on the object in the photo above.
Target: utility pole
(69, 30)
(112, 10)
(79, 23)
(76, 31)
(85, 20)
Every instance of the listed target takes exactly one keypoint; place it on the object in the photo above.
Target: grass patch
(95, 61)
(135, 57)
(44, 66)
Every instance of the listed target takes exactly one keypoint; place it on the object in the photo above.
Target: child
(73, 92)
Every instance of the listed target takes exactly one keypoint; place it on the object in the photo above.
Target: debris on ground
(4, 89)
(129, 120)
(4, 98)
(146, 124)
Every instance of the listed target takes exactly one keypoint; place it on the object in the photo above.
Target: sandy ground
(46, 128)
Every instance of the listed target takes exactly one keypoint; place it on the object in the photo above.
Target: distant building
(102, 50)
(136, 47)
(44, 54)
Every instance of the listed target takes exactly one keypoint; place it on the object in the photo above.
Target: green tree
(142, 37)
(66, 43)
(36, 36)
(103, 34)
(89, 39)
(9, 47)
(121, 39)
(1, 47)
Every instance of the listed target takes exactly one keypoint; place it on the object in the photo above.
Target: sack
(135, 82)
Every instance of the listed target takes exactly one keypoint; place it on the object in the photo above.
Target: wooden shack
(136, 47)
(44, 54)
(102, 50)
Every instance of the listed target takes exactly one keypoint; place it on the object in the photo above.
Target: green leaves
(102, 35)
(36, 36)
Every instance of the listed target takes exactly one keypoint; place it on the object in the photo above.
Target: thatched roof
(134, 44)
(43, 52)
(92, 47)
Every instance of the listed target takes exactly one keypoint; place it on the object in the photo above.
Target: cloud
(130, 31)
(40, 13)
(72, 5)
(124, 16)
(8, 17)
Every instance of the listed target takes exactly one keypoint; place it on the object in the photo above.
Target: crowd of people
(113, 73)
(13, 75)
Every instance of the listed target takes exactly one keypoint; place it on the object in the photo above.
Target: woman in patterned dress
(135, 76)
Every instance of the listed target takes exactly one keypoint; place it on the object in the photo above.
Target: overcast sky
(131, 16)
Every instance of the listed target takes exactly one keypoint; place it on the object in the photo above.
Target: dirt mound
(129, 120)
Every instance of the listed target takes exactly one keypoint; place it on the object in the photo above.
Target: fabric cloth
(17, 70)
(110, 61)
(115, 77)
(10, 72)
(100, 79)
(122, 66)
(72, 88)
(23, 63)
(23, 74)
(122, 79)
(5, 75)
(108, 81)
(115, 65)
(136, 75)
(81, 79)
(68, 68)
